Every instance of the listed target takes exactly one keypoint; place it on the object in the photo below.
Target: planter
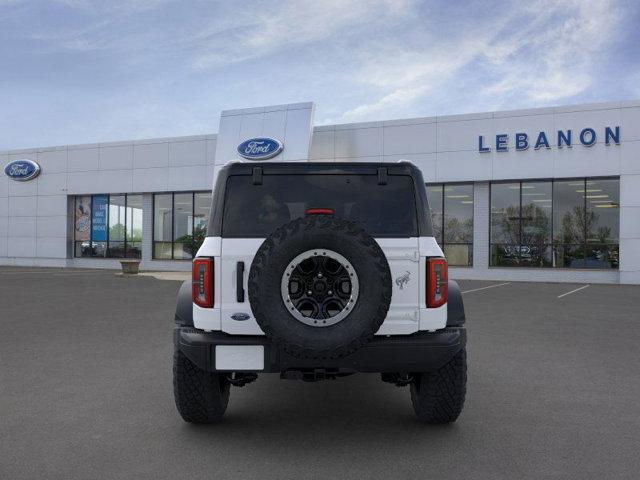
(130, 266)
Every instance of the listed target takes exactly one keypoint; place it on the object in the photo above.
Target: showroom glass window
(179, 224)
(521, 224)
(108, 226)
(564, 223)
(451, 208)
(586, 223)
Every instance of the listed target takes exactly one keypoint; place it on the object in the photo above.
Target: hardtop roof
(293, 168)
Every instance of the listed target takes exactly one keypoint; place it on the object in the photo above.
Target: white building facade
(550, 194)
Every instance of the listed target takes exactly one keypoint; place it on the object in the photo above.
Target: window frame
(125, 241)
(520, 220)
(126, 224)
(553, 243)
(225, 201)
(441, 241)
(193, 194)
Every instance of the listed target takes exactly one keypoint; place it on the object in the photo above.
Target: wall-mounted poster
(99, 218)
(83, 219)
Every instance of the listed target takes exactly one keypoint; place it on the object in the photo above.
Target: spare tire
(320, 287)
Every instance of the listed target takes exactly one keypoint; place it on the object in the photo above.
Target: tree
(577, 222)
(525, 233)
(116, 232)
(192, 242)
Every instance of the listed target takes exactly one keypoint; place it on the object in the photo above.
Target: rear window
(257, 210)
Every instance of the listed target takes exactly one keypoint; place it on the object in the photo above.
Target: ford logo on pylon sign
(260, 148)
(22, 170)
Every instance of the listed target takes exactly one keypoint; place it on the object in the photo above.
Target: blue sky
(76, 71)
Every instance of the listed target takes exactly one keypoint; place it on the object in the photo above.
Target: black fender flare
(184, 305)
(455, 306)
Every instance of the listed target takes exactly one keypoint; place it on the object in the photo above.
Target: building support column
(147, 227)
(481, 216)
(629, 229)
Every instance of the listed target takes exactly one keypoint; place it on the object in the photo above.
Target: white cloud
(159, 68)
(544, 52)
(398, 98)
(633, 84)
(557, 62)
(112, 6)
(257, 33)
(404, 77)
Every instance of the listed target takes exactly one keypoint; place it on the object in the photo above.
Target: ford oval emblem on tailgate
(240, 317)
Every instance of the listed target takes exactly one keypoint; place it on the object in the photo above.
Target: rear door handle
(240, 282)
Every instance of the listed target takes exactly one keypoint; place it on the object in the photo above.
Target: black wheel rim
(320, 287)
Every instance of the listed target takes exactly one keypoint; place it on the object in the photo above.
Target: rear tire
(438, 397)
(201, 397)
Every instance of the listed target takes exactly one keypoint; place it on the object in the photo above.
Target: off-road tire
(438, 397)
(320, 232)
(201, 397)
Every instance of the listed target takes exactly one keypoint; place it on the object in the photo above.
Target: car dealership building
(549, 194)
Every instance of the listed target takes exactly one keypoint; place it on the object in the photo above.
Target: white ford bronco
(317, 271)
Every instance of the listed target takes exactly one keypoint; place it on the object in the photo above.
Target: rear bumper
(419, 352)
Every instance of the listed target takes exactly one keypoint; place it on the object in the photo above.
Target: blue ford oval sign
(241, 317)
(260, 148)
(22, 170)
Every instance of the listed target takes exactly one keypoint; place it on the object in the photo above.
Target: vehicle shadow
(359, 408)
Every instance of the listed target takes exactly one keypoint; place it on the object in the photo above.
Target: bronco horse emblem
(403, 279)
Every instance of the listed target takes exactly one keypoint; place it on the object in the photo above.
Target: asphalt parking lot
(85, 392)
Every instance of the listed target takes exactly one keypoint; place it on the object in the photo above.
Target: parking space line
(76, 273)
(573, 291)
(56, 273)
(485, 288)
(31, 272)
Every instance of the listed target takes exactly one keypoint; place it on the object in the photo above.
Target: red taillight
(437, 282)
(320, 211)
(202, 282)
